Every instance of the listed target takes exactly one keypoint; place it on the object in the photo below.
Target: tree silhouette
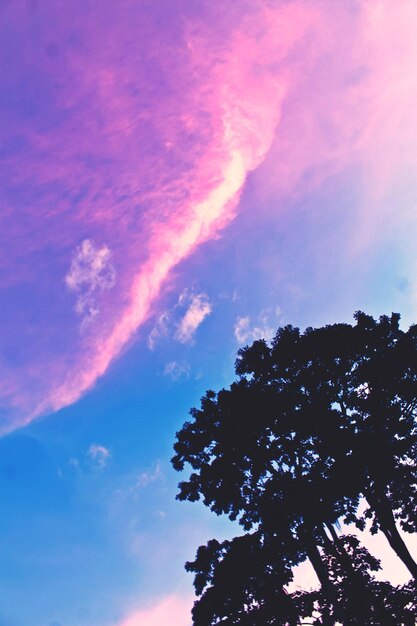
(315, 423)
(243, 583)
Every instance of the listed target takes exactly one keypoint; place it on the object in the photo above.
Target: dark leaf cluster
(316, 424)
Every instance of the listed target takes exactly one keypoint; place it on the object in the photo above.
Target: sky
(177, 179)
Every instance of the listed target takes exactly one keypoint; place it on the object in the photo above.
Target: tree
(315, 423)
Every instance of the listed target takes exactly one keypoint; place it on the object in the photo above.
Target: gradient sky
(178, 178)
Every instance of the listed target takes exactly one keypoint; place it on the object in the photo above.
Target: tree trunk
(323, 576)
(383, 512)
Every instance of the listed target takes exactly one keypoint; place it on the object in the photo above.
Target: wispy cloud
(90, 273)
(160, 329)
(176, 370)
(149, 476)
(263, 327)
(196, 313)
(182, 320)
(99, 455)
(138, 482)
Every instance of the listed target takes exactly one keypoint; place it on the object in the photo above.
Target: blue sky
(202, 177)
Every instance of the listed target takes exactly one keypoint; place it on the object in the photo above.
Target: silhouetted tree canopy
(316, 424)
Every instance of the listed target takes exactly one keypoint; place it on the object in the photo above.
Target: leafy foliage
(315, 423)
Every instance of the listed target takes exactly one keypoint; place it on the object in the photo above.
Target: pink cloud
(353, 109)
(142, 146)
(172, 610)
(388, 146)
(153, 175)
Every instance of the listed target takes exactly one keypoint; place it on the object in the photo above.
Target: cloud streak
(160, 174)
(146, 143)
(196, 313)
(177, 370)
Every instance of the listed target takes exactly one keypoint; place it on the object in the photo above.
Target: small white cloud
(242, 329)
(74, 463)
(148, 477)
(196, 306)
(99, 455)
(262, 327)
(91, 272)
(160, 329)
(176, 370)
(197, 311)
